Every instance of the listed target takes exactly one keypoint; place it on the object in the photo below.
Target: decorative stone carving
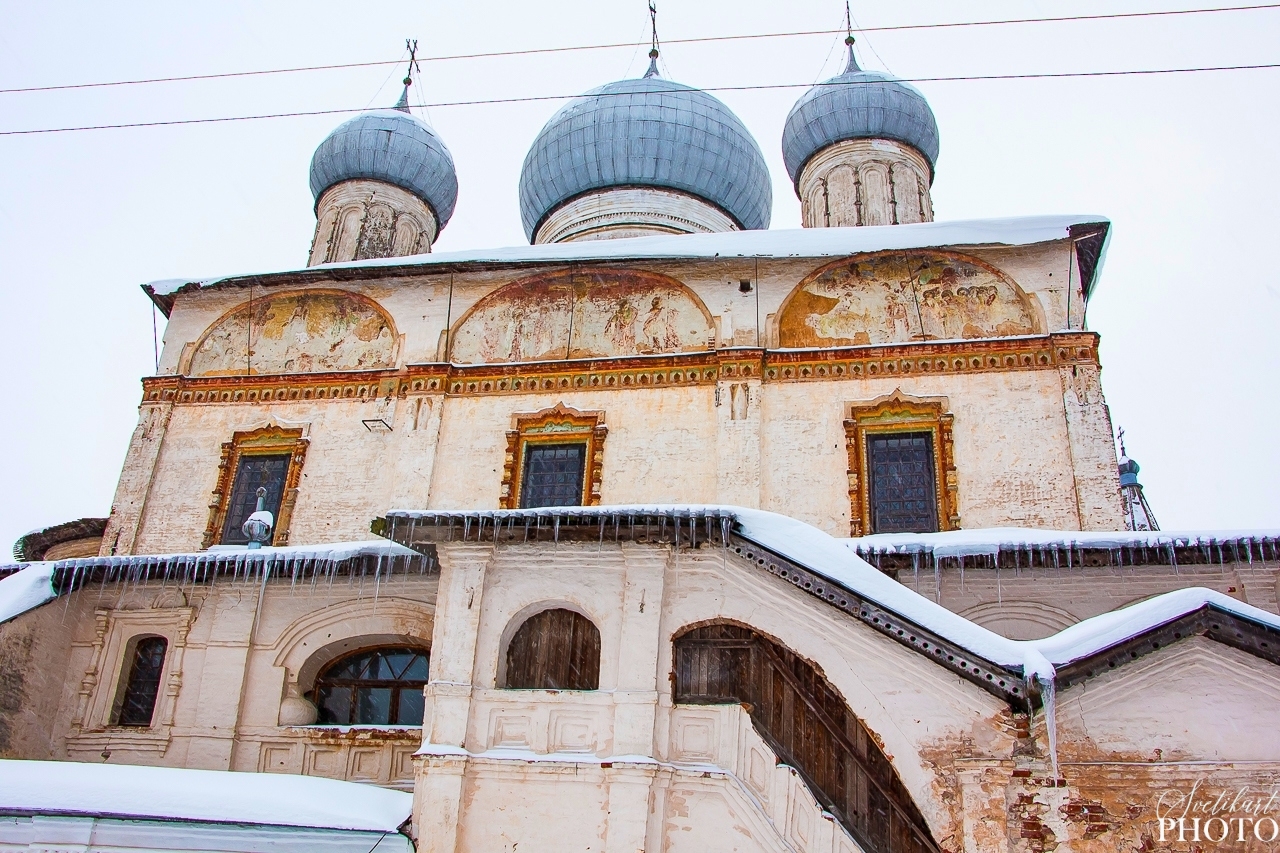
(558, 424)
(369, 219)
(901, 413)
(865, 182)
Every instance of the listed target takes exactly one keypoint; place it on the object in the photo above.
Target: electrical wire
(616, 45)
(756, 88)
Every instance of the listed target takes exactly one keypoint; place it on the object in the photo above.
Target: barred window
(142, 685)
(252, 472)
(376, 687)
(904, 493)
(553, 475)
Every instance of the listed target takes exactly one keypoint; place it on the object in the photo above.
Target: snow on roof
(790, 243)
(214, 796)
(833, 558)
(992, 540)
(26, 590)
(26, 586)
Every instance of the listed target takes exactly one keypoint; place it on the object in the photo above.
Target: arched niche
(311, 331)
(895, 297)
(582, 314)
(808, 724)
(550, 648)
(1020, 620)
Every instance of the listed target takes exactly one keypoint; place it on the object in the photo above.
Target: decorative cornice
(1039, 352)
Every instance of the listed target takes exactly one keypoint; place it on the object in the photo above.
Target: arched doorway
(807, 723)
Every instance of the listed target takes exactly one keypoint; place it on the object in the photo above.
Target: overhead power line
(762, 87)
(616, 45)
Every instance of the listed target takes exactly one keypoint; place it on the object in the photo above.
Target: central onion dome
(384, 186)
(870, 131)
(643, 156)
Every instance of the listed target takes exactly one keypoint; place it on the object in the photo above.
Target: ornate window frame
(270, 439)
(93, 726)
(557, 425)
(899, 412)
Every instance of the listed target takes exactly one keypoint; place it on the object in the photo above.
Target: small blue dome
(647, 132)
(391, 146)
(857, 105)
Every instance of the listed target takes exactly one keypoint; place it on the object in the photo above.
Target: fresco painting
(582, 315)
(297, 333)
(897, 297)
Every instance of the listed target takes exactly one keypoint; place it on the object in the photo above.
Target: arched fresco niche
(309, 332)
(892, 297)
(582, 314)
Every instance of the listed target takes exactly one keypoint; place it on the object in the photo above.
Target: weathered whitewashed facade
(716, 538)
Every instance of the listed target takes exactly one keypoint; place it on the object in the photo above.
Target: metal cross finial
(1120, 436)
(852, 64)
(653, 43)
(410, 45)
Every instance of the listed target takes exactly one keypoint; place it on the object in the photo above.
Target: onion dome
(647, 132)
(857, 105)
(392, 146)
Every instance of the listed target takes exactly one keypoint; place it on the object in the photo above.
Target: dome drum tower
(860, 149)
(384, 185)
(360, 219)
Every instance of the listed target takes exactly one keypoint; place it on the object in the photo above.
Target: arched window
(554, 650)
(142, 685)
(376, 687)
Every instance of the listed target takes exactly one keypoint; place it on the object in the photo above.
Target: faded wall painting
(574, 314)
(891, 297)
(297, 333)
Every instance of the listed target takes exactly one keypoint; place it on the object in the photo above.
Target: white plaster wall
(1195, 700)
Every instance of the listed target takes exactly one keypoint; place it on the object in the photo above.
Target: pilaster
(128, 507)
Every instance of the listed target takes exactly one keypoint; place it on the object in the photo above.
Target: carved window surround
(900, 413)
(557, 425)
(92, 728)
(270, 439)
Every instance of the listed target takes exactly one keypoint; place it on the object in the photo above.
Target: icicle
(1049, 702)
(1173, 559)
(999, 591)
(556, 524)
(617, 522)
(662, 528)
(962, 572)
(937, 582)
(724, 532)
(600, 546)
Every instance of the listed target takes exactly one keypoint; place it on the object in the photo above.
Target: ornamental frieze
(679, 369)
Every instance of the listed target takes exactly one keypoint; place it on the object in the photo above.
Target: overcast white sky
(1188, 305)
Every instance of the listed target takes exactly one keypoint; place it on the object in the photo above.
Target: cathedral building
(669, 531)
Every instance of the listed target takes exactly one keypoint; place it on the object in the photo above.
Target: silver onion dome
(857, 104)
(647, 132)
(392, 146)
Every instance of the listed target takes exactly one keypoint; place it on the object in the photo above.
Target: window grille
(553, 475)
(142, 687)
(904, 494)
(379, 687)
(253, 472)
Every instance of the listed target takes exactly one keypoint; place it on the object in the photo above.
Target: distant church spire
(653, 44)
(412, 46)
(1137, 512)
